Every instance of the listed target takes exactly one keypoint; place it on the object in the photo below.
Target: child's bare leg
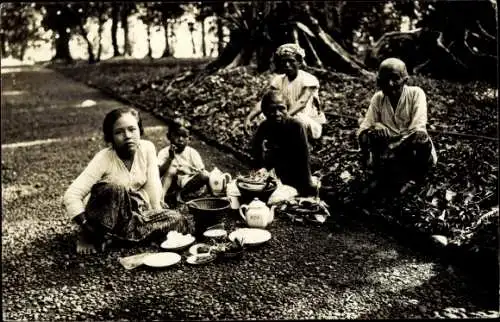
(196, 183)
(166, 183)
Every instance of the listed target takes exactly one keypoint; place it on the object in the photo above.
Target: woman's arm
(80, 188)
(253, 114)
(301, 103)
(153, 186)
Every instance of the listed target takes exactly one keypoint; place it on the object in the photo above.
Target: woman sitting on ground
(280, 143)
(299, 87)
(123, 188)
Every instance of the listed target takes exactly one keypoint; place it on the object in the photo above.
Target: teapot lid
(256, 203)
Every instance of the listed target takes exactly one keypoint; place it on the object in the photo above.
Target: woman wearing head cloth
(298, 86)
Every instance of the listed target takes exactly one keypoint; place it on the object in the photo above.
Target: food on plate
(200, 259)
(203, 249)
(215, 233)
(175, 238)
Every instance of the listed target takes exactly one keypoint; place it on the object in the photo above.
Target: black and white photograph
(249, 160)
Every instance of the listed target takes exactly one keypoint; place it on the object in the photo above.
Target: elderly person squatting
(395, 124)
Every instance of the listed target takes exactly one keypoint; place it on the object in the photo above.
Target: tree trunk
(192, 42)
(115, 11)
(3, 47)
(220, 36)
(99, 45)
(321, 49)
(62, 47)
(167, 52)
(203, 43)
(127, 50)
(90, 48)
(331, 53)
(150, 50)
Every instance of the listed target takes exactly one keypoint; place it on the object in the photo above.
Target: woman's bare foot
(83, 246)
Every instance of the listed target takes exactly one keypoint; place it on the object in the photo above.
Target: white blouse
(106, 166)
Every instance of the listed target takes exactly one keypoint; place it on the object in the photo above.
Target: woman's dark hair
(113, 116)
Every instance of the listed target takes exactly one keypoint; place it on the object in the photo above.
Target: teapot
(218, 181)
(257, 214)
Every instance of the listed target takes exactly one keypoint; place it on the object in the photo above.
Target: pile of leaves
(462, 124)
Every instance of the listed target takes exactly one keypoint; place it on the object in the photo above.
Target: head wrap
(290, 49)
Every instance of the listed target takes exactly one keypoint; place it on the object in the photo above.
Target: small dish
(194, 250)
(215, 233)
(164, 259)
(251, 236)
(200, 259)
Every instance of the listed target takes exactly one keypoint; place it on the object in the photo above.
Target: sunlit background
(181, 41)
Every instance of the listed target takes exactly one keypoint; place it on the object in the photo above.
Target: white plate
(251, 236)
(169, 245)
(162, 259)
(193, 250)
(215, 233)
(206, 259)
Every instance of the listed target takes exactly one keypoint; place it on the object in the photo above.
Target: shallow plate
(215, 233)
(200, 259)
(169, 245)
(251, 236)
(162, 259)
(193, 250)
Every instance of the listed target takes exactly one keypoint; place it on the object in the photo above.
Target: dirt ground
(338, 271)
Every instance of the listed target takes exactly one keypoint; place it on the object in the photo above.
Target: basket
(207, 212)
(247, 195)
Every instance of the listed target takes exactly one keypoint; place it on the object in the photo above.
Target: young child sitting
(281, 143)
(299, 87)
(181, 168)
(394, 127)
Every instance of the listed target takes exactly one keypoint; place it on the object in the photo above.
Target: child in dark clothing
(281, 143)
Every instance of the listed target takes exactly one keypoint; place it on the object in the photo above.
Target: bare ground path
(304, 272)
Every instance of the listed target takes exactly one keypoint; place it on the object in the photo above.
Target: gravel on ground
(336, 271)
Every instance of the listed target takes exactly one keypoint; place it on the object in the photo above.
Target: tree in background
(453, 39)
(18, 28)
(126, 9)
(115, 16)
(258, 28)
(167, 13)
(102, 12)
(61, 19)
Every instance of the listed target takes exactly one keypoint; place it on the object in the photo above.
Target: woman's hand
(81, 220)
(420, 137)
(380, 130)
(248, 126)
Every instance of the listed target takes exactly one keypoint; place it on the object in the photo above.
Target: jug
(218, 181)
(233, 194)
(257, 214)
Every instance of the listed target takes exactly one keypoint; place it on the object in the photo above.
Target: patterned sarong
(124, 215)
